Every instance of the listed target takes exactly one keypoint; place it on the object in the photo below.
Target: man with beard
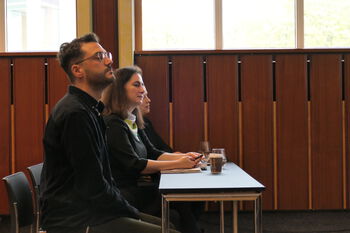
(77, 191)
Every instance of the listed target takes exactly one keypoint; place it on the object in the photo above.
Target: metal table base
(232, 196)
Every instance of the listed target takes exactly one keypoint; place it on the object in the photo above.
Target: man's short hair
(71, 52)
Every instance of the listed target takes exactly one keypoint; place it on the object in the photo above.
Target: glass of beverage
(216, 163)
(204, 148)
(222, 152)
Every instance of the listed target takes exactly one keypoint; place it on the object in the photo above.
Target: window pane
(180, 24)
(327, 23)
(39, 25)
(258, 24)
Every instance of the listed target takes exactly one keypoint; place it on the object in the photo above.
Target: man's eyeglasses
(99, 56)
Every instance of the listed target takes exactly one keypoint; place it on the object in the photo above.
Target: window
(327, 23)
(39, 25)
(169, 24)
(258, 24)
(248, 24)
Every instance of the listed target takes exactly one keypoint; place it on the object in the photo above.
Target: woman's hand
(187, 162)
(193, 155)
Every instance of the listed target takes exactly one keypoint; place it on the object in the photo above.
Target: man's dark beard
(101, 82)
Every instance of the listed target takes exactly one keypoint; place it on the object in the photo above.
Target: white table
(233, 184)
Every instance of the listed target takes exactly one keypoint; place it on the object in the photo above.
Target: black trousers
(146, 224)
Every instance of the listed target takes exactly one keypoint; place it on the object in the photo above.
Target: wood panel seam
(344, 154)
(309, 155)
(275, 165)
(13, 146)
(171, 125)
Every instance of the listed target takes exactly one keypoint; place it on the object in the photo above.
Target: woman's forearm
(154, 166)
(170, 156)
(174, 156)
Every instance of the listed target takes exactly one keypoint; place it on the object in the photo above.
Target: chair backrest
(20, 200)
(35, 174)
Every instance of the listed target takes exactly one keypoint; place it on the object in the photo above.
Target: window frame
(298, 14)
(2, 25)
(83, 20)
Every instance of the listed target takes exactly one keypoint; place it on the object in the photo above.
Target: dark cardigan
(154, 137)
(128, 155)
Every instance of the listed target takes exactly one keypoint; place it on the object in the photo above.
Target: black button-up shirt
(77, 188)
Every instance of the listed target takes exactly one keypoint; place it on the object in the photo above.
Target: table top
(232, 178)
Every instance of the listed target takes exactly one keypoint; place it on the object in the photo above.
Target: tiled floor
(273, 222)
(284, 222)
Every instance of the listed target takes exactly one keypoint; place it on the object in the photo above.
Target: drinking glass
(204, 148)
(222, 152)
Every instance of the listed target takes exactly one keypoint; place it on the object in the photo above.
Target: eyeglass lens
(103, 55)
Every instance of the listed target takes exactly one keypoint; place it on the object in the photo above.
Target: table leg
(165, 215)
(258, 215)
(222, 217)
(234, 217)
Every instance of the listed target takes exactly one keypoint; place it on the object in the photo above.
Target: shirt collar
(98, 106)
(131, 117)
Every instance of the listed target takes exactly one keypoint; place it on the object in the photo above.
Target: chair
(20, 201)
(35, 173)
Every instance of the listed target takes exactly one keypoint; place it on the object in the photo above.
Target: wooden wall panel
(326, 126)
(292, 131)
(222, 101)
(57, 82)
(188, 113)
(257, 126)
(105, 25)
(326, 131)
(347, 126)
(5, 130)
(29, 79)
(155, 77)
